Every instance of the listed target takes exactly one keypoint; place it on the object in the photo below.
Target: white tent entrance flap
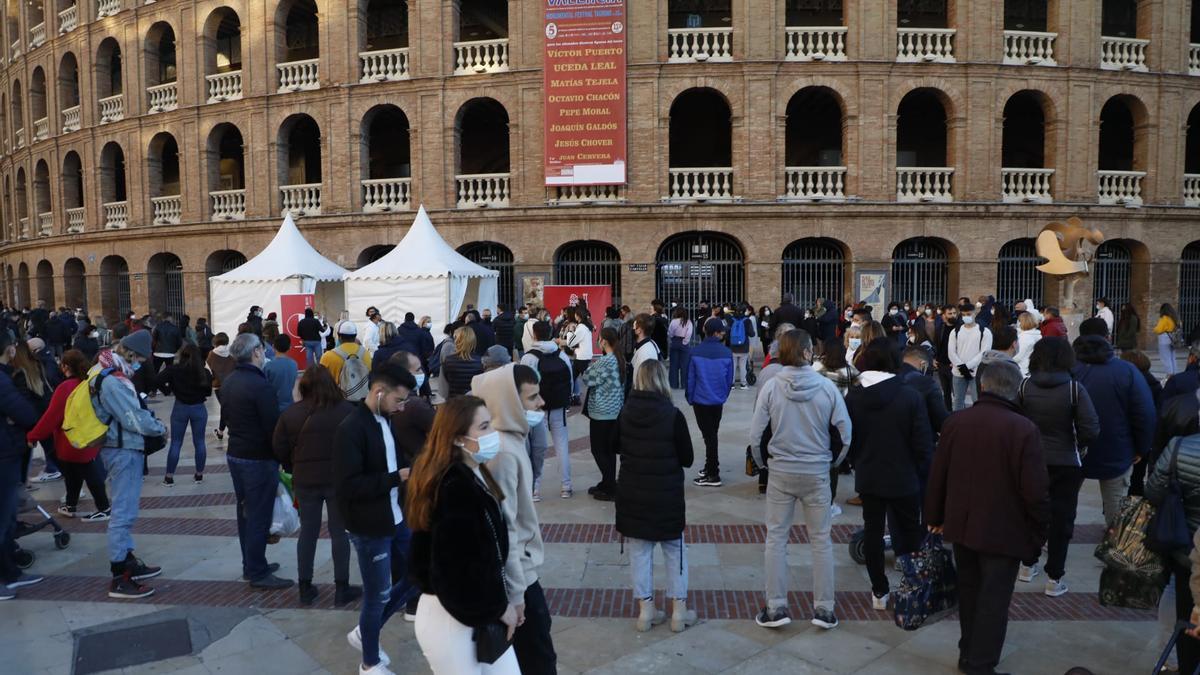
(289, 264)
(422, 275)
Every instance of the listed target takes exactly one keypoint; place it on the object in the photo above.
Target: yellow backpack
(83, 428)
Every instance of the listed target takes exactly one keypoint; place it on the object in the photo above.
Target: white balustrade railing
(299, 75)
(167, 209)
(75, 220)
(1194, 59)
(25, 233)
(20, 138)
(1027, 185)
(162, 97)
(386, 194)
(107, 8)
(481, 56)
(482, 189)
(924, 184)
(1191, 189)
(701, 184)
(41, 129)
(16, 48)
(1029, 48)
(1120, 187)
(589, 194)
(224, 86)
(815, 43)
(814, 182)
(68, 19)
(116, 215)
(692, 45)
(228, 204)
(914, 45)
(112, 108)
(384, 65)
(301, 200)
(37, 35)
(1123, 53)
(70, 119)
(45, 224)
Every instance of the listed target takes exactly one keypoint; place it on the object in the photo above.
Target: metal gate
(1017, 277)
(920, 268)
(1112, 271)
(173, 283)
(589, 263)
(699, 266)
(1189, 287)
(496, 257)
(813, 268)
(124, 301)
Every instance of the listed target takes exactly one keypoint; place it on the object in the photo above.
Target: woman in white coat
(1028, 334)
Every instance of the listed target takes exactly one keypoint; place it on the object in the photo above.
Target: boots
(308, 592)
(345, 594)
(681, 616)
(649, 615)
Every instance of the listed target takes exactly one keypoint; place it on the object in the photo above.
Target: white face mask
(928, 312)
(893, 311)
(855, 343)
(489, 446)
(968, 319)
(534, 417)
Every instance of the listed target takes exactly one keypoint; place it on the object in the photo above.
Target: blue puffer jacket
(16, 417)
(1186, 382)
(1123, 403)
(710, 373)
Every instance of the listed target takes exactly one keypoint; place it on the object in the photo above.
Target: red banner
(292, 311)
(584, 86)
(597, 298)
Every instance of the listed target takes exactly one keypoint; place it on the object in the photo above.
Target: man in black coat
(485, 337)
(787, 312)
(309, 331)
(416, 339)
(368, 472)
(503, 326)
(941, 358)
(917, 373)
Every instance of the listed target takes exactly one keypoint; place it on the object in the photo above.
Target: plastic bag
(929, 588)
(1124, 546)
(285, 520)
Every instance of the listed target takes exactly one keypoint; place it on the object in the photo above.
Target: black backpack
(556, 379)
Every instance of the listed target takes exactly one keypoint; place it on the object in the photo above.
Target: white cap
(347, 328)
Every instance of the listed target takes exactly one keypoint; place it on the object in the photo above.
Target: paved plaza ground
(190, 531)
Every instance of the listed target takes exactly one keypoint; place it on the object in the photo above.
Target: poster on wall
(597, 298)
(292, 311)
(533, 286)
(871, 289)
(584, 90)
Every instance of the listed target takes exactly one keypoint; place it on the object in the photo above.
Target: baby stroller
(858, 550)
(62, 538)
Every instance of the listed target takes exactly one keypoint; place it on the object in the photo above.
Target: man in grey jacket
(801, 406)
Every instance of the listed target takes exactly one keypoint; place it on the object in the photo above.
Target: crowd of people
(426, 456)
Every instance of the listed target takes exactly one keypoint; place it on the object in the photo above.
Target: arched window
(18, 115)
(112, 186)
(114, 288)
(45, 284)
(700, 151)
(1024, 157)
(1025, 15)
(41, 199)
(483, 156)
(1112, 274)
(700, 266)
(813, 268)
(162, 167)
(75, 284)
(22, 197)
(589, 263)
(1119, 18)
(496, 257)
(923, 148)
(72, 187)
(164, 283)
(226, 172)
(383, 40)
(300, 165)
(1191, 155)
(813, 145)
(223, 55)
(1017, 277)
(814, 12)
(68, 93)
(372, 253)
(385, 157)
(160, 68)
(108, 69)
(37, 105)
(23, 290)
(1189, 287)
(920, 272)
(301, 32)
(480, 20)
(1122, 150)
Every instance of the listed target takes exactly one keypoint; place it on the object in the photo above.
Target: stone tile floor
(189, 530)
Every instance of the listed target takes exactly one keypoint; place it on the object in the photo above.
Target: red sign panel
(584, 86)
(597, 298)
(292, 310)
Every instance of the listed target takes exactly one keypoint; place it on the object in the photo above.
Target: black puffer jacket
(892, 440)
(1188, 468)
(303, 441)
(931, 393)
(655, 447)
(458, 373)
(1045, 399)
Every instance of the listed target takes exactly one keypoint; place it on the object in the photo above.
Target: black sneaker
(604, 496)
(308, 593)
(272, 568)
(98, 516)
(271, 583)
(824, 618)
(169, 481)
(24, 580)
(125, 588)
(773, 618)
(198, 478)
(139, 570)
(708, 481)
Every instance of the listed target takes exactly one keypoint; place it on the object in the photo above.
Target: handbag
(1168, 530)
(491, 639)
(751, 466)
(929, 588)
(1124, 545)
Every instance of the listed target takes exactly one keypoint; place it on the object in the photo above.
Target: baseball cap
(347, 328)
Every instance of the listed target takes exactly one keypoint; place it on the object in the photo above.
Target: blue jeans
(124, 468)
(961, 387)
(183, 414)
(381, 598)
(679, 355)
(641, 565)
(254, 482)
(10, 499)
(313, 349)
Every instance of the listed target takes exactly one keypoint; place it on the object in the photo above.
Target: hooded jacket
(1122, 401)
(304, 439)
(930, 391)
(827, 322)
(894, 442)
(801, 406)
(503, 325)
(220, 364)
(1026, 339)
(709, 373)
(514, 474)
(655, 447)
(120, 407)
(1046, 400)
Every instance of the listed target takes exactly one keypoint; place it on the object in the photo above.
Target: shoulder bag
(491, 639)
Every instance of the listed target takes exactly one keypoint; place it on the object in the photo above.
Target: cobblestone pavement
(190, 531)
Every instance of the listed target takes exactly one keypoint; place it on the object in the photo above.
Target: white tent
(422, 275)
(289, 264)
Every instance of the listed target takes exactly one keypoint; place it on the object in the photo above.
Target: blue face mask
(489, 447)
(420, 379)
(135, 366)
(534, 417)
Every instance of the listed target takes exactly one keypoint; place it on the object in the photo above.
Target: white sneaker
(835, 511)
(1055, 588)
(1028, 573)
(44, 477)
(354, 637)
(377, 669)
(880, 602)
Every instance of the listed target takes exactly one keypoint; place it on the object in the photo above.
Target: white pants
(449, 647)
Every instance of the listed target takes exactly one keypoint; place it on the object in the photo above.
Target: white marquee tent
(422, 275)
(289, 264)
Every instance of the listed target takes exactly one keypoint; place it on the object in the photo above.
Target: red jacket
(1054, 327)
(51, 426)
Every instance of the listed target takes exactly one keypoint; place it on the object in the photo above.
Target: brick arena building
(772, 145)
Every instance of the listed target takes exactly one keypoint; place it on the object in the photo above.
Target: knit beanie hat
(138, 342)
